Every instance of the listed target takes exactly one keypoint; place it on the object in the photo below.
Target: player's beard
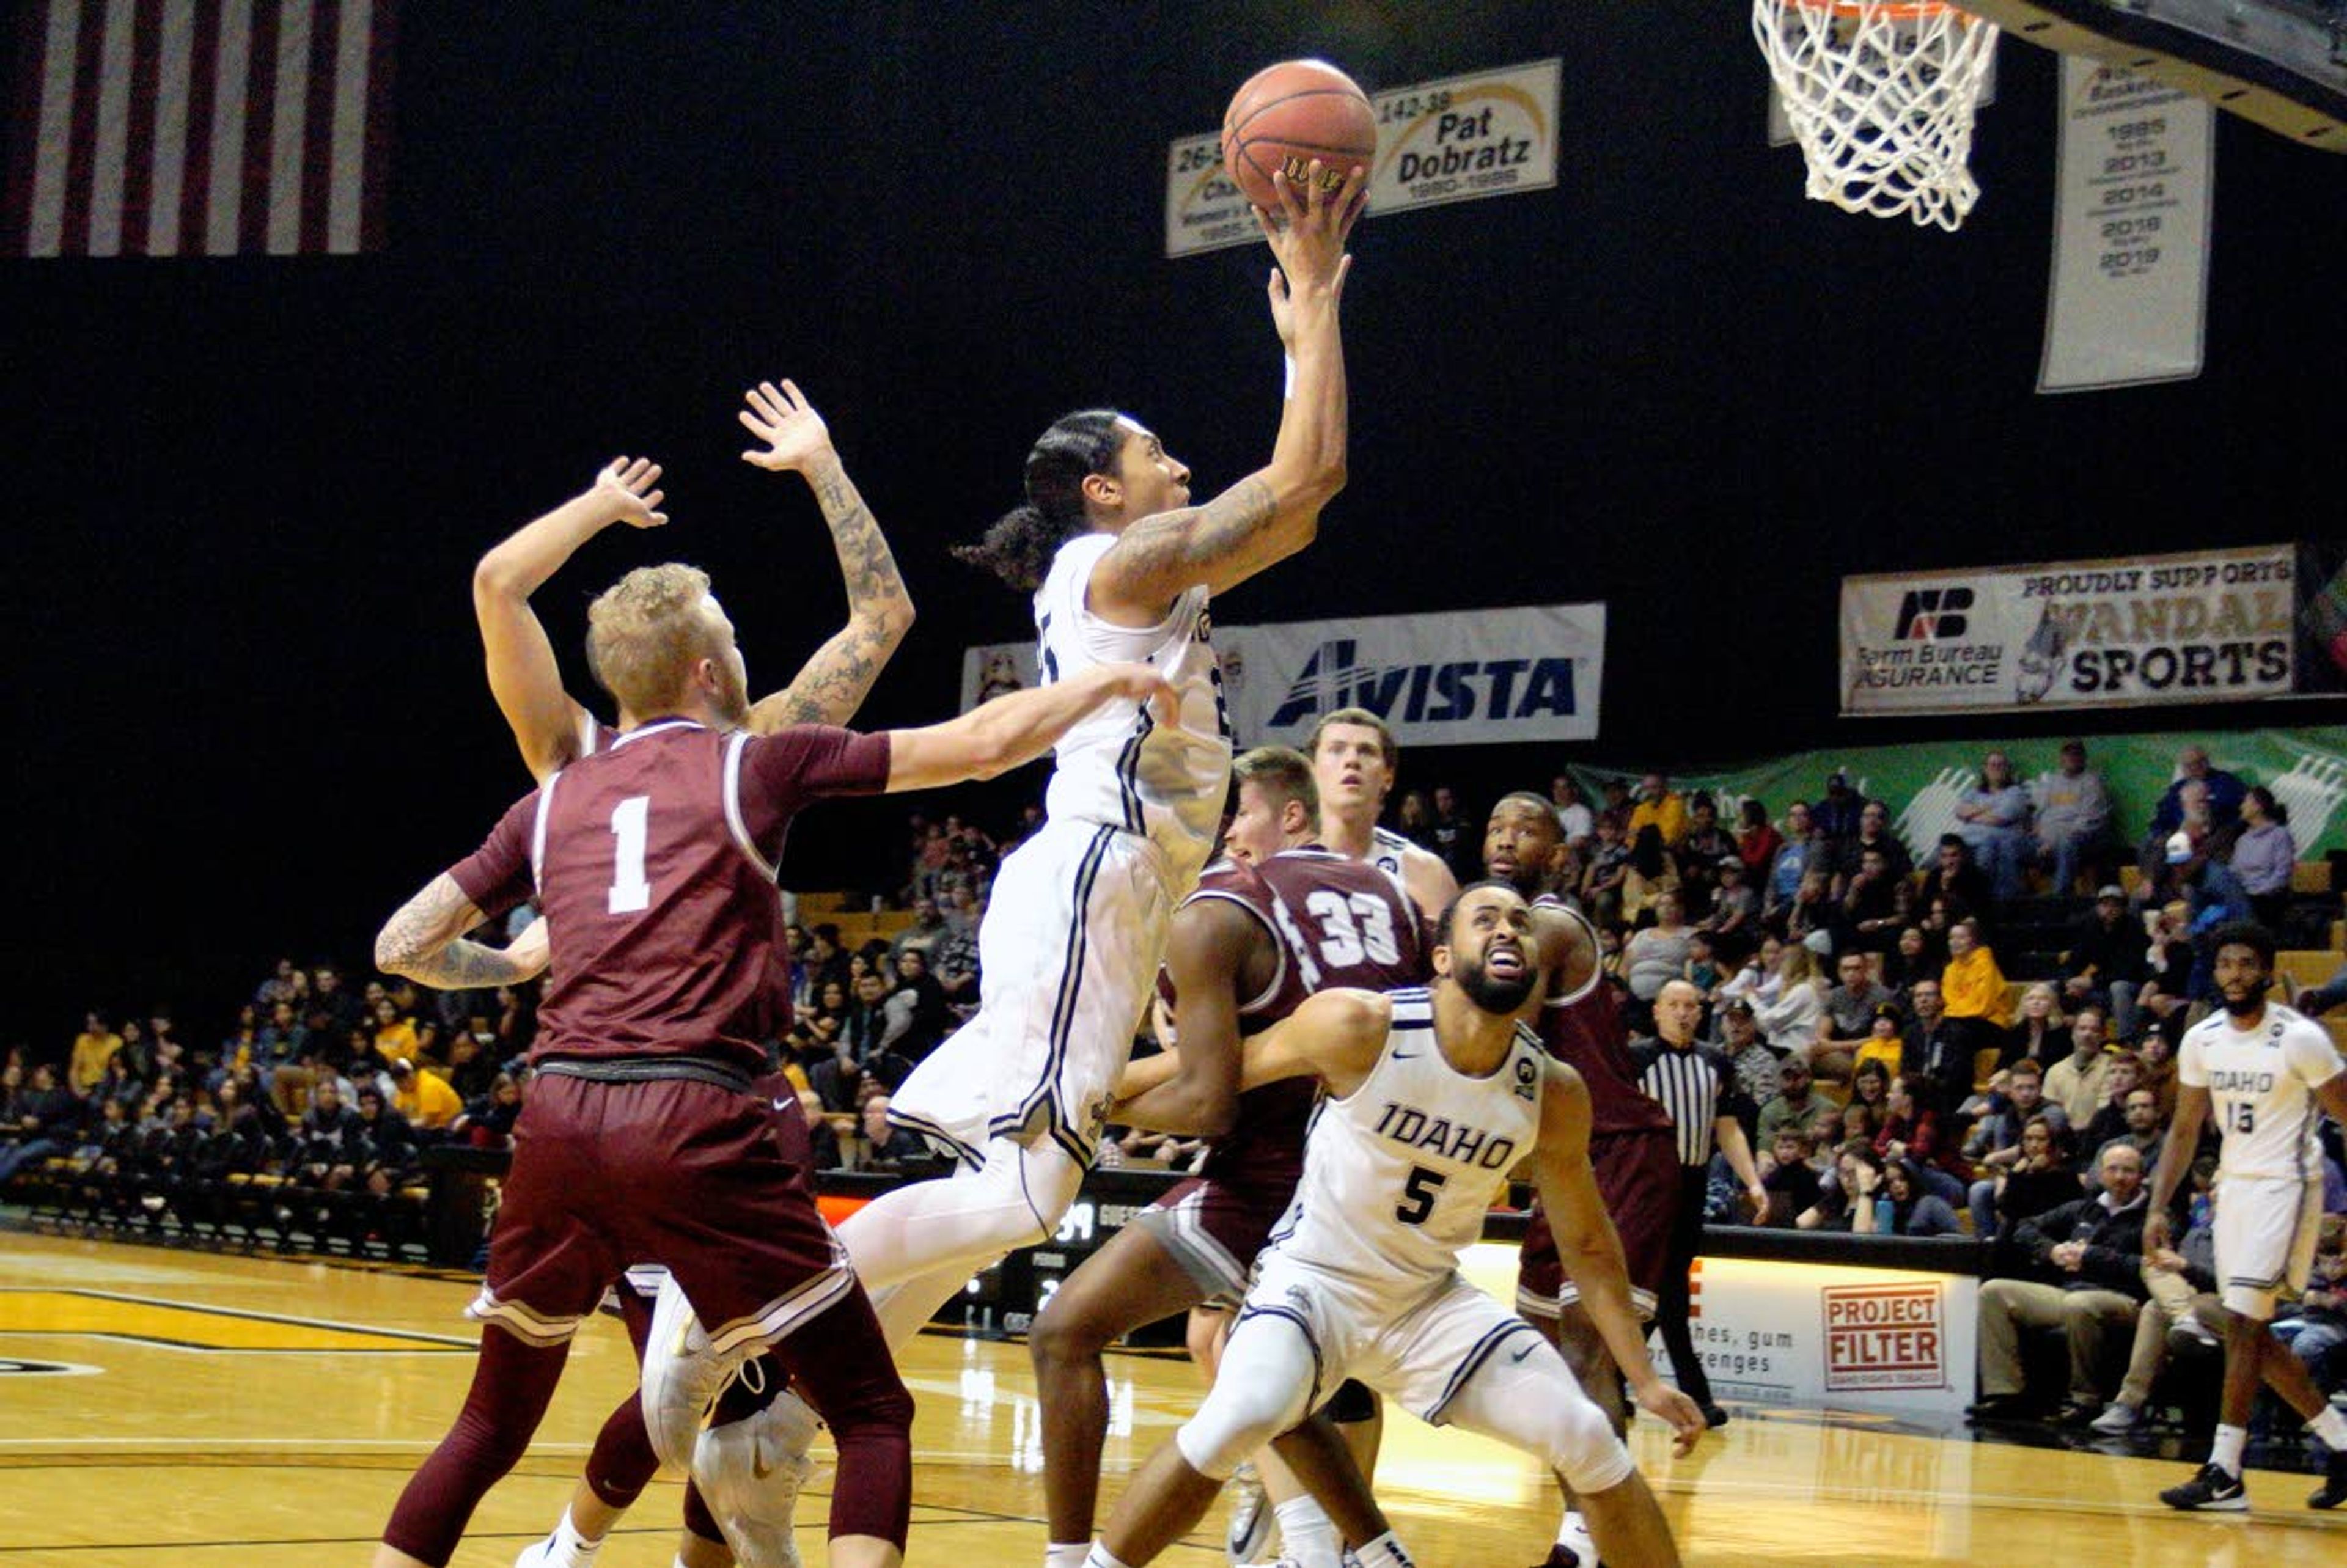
(732, 697)
(2247, 1006)
(1492, 995)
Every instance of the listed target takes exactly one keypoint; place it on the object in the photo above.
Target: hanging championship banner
(1491, 134)
(2209, 627)
(1474, 678)
(2132, 198)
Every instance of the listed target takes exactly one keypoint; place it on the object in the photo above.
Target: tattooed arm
(1273, 512)
(832, 684)
(425, 941)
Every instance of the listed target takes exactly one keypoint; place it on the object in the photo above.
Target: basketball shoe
(750, 1473)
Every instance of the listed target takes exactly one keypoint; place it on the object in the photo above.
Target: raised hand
(629, 486)
(1307, 236)
(781, 416)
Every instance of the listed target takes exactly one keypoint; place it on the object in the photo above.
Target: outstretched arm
(1592, 1249)
(1204, 956)
(425, 941)
(1018, 727)
(522, 674)
(832, 684)
(1273, 512)
(1336, 1036)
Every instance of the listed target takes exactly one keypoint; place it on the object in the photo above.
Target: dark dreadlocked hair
(1019, 548)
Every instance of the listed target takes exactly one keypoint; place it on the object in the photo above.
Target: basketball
(1289, 114)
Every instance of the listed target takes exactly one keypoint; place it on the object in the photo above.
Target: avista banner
(1531, 673)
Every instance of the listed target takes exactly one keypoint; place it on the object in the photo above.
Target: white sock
(572, 1549)
(1385, 1552)
(1574, 1532)
(1307, 1534)
(2330, 1426)
(1061, 1554)
(2226, 1455)
(1099, 1556)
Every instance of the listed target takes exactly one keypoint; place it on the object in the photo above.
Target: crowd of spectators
(1895, 1077)
(1886, 1081)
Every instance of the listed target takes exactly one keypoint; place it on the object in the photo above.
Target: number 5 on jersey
(1418, 1196)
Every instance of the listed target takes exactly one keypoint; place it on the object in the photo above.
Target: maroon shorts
(1214, 1229)
(673, 1171)
(792, 1136)
(1638, 1177)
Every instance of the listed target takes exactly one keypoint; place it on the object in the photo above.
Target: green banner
(2306, 769)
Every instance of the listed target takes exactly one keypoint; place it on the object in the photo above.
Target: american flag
(199, 127)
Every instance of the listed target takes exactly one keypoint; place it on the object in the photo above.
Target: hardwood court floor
(264, 1414)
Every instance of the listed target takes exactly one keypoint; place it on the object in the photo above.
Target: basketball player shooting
(1119, 567)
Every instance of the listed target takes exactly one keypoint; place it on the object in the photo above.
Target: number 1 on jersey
(630, 823)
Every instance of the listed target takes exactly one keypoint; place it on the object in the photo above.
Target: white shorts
(1420, 1355)
(2266, 1230)
(1448, 1352)
(1068, 956)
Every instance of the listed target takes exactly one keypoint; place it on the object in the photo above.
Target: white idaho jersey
(2262, 1089)
(1119, 767)
(1387, 849)
(1397, 1176)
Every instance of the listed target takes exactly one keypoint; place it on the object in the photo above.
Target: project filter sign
(2212, 626)
(1808, 1335)
(1489, 134)
(1885, 1337)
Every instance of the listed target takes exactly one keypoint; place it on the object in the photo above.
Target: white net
(1880, 96)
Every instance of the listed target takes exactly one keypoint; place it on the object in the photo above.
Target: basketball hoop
(1880, 96)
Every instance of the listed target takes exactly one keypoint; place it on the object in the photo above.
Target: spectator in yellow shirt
(93, 1048)
(1972, 985)
(427, 1102)
(1661, 807)
(395, 1037)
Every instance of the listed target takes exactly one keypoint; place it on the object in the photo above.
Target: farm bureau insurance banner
(2209, 627)
(1472, 678)
(1492, 134)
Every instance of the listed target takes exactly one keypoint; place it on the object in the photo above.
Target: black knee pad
(1352, 1401)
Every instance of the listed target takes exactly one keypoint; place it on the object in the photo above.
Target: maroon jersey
(1334, 922)
(653, 862)
(1585, 1032)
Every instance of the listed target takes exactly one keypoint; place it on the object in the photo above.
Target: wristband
(1288, 387)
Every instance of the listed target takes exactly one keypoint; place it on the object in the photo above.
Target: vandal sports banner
(2214, 625)
(1481, 677)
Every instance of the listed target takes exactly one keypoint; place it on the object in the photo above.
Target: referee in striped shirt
(1697, 1086)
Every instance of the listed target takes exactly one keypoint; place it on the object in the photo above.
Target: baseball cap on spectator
(1737, 1006)
(400, 1067)
(1890, 1010)
(1820, 943)
(2111, 890)
(2179, 847)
